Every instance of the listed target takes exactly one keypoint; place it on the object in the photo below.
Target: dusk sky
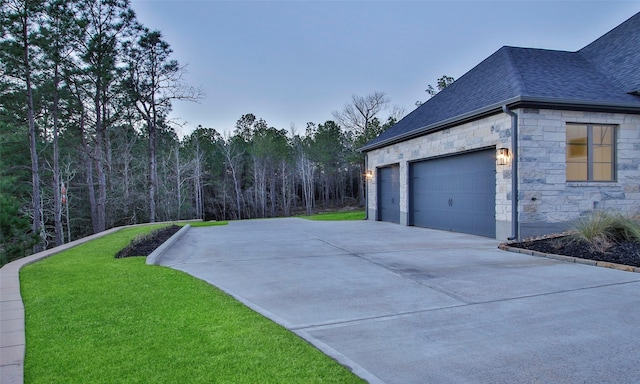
(292, 62)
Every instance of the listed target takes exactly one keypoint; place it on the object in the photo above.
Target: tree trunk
(101, 219)
(178, 183)
(197, 184)
(36, 226)
(236, 187)
(153, 173)
(68, 177)
(272, 192)
(89, 162)
(57, 201)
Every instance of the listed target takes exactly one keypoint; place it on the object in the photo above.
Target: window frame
(591, 150)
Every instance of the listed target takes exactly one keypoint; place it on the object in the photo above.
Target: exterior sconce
(368, 175)
(503, 157)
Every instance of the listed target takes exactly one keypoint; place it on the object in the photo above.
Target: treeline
(86, 144)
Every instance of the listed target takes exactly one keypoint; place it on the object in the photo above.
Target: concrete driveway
(405, 305)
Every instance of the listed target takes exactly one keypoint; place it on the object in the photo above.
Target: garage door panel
(455, 193)
(389, 194)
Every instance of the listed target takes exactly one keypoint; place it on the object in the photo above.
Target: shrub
(145, 244)
(602, 229)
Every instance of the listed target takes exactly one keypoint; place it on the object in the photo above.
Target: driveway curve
(401, 304)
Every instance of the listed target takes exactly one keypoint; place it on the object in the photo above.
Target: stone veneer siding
(547, 202)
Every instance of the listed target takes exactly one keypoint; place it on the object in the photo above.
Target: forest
(86, 142)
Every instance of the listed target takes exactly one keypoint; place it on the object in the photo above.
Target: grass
(91, 318)
(337, 216)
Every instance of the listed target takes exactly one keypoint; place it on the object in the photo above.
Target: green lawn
(91, 318)
(337, 216)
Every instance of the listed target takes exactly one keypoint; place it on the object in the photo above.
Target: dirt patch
(144, 245)
(623, 252)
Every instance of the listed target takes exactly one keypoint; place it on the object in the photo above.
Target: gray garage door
(455, 193)
(389, 194)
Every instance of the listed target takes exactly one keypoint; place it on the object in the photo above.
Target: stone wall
(547, 202)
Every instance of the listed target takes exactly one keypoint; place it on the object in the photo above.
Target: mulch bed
(145, 245)
(625, 252)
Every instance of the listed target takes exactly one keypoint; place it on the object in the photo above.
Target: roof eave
(460, 119)
(580, 105)
(515, 102)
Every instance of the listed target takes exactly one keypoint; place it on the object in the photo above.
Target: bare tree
(358, 114)
(198, 159)
(360, 118)
(306, 170)
(233, 159)
(69, 174)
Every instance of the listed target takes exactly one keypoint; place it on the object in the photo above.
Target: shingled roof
(603, 76)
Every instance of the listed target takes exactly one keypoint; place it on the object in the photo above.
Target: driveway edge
(154, 257)
(340, 358)
(571, 259)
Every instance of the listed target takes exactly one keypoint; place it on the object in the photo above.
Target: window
(590, 152)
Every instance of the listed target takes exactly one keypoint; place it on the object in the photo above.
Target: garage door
(455, 193)
(389, 194)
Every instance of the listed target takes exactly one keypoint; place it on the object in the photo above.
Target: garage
(389, 194)
(455, 193)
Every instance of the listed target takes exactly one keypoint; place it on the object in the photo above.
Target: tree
(18, 54)
(16, 235)
(442, 83)
(105, 23)
(268, 147)
(356, 115)
(234, 151)
(360, 118)
(154, 81)
(14, 227)
(327, 149)
(57, 33)
(306, 170)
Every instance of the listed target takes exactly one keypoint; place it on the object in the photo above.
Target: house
(521, 145)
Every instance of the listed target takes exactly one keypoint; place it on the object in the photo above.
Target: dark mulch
(624, 252)
(145, 245)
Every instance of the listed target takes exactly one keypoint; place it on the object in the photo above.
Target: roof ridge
(536, 49)
(596, 68)
(616, 55)
(515, 80)
(610, 33)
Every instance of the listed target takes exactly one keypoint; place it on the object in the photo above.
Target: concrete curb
(12, 327)
(570, 259)
(154, 257)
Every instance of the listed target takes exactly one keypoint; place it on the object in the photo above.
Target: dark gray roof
(617, 54)
(600, 76)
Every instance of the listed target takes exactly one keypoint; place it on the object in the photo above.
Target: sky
(293, 62)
